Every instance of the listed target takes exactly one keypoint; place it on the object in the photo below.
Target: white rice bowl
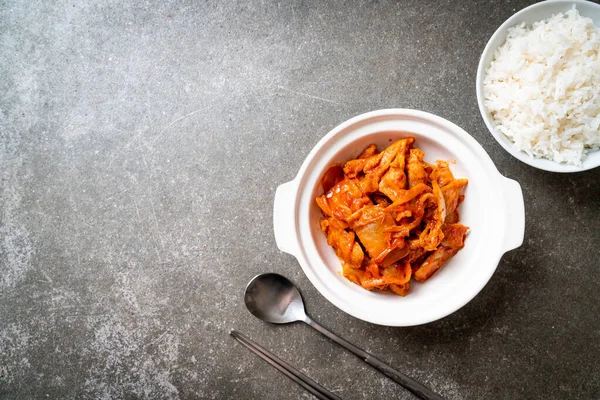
(543, 88)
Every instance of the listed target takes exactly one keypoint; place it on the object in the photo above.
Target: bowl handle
(284, 219)
(515, 211)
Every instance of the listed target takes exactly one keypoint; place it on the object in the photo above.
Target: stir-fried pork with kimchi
(390, 216)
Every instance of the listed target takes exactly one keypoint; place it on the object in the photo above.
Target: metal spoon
(274, 298)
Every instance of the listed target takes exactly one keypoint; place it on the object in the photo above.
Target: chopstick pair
(311, 386)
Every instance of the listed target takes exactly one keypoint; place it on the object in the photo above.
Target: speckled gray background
(140, 147)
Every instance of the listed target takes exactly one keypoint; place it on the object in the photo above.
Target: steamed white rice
(543, 87)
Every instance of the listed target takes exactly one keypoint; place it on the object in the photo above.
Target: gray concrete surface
(140, 147)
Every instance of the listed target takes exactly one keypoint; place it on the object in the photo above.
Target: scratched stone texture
(141, 144)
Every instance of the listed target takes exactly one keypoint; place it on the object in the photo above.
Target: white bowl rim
(540, 163)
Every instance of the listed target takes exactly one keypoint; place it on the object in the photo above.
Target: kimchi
(392, 217)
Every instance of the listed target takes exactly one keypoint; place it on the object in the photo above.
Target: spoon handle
(415, 387)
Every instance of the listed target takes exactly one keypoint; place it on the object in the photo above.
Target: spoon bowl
(274, 298)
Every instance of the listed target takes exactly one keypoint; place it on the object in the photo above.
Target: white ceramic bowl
(493, 209)
(529, 15)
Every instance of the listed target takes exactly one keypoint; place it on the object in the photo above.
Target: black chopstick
(285, 368)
